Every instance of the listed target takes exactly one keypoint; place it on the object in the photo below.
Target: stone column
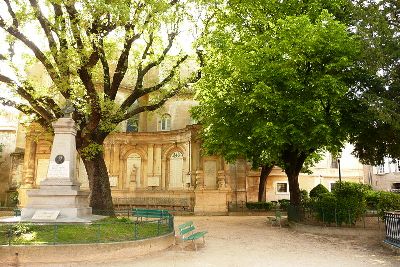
(199, 180)
(221, 180)
(29, 163)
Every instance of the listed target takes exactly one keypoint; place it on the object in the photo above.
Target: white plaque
(58, 170)
(153, 181)
(46, 215)
(113, 180)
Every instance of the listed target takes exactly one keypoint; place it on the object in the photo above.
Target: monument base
(211, 202)
(57, 204)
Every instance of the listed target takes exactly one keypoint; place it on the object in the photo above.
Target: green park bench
(187, 233)
(147, 213)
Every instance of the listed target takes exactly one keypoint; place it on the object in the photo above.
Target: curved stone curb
(34, 254)
(338, 231)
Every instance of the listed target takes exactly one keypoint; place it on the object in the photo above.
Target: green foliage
(388, 202)
(374, 109)
(284, 204)
(326, 206)
(351, 203)
(19, 229)
(95, 54)
(346, 204)
(106, 230)
(260, 205)
(273, 86)
(91, 151)
(372, 198)
(13, 198)
(318, 190)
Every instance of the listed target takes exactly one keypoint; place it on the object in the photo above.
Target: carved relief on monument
(176, 170)
(133, 169)
(210, 174)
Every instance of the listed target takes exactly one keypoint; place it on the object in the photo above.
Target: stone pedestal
(211, 202)
(59, 198)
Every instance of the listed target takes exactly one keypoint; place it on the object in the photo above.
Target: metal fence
(110, 230)
(392, 224)
(335, 217)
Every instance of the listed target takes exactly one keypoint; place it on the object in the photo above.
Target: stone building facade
(385, 177)
(156, 160)
(11, 155)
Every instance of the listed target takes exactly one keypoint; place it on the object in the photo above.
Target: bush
(259, 205)
(388, 202)
(345, 204)
(351, 203)
(326, 207)
(318, 190)
(284, 203)
(372, 199)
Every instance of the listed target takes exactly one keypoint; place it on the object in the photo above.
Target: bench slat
(195, 236)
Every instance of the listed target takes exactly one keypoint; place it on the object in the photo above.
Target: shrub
(326, 207)
(284, 203)
(388, 202)
(318, 190)
(259, 205)
(345, 204)
(19, 229)
(351, 203)
(304, 198)
(372, 199)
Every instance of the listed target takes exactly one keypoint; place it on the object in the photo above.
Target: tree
(86, 48)
(281, 82)
(374, 107)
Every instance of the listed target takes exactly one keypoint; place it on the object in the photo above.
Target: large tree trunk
(265, 171)
(100, 191)
(294, 160)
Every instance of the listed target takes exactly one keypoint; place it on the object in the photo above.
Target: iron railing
(392, 225)
(111, 230)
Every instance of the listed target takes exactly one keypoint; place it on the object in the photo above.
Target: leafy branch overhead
(88, 48)
(111, 59)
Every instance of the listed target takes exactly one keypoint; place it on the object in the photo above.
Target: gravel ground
(249, 241)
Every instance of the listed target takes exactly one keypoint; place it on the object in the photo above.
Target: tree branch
(24, 93)
(46, 26)
(151, 107)
(38, 53)
(27, 110)
(122, 64)
(15, 24)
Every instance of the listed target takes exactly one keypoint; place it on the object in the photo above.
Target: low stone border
(339, 231)
(36, 254)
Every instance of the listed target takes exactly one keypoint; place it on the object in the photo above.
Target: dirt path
(248, 241)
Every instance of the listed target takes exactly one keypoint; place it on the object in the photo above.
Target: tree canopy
(273, 92)
(85, 51)
(374, 107)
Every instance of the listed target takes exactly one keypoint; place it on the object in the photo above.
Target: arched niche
(175, 170)
(134, 169)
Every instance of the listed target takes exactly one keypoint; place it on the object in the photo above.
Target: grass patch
(103, 231)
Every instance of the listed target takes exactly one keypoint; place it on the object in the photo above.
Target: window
(334, 162)
(132, 125)
(381, 169)
(395, 188)
(282, 188)
(332, 186)
(164, 124)
(398, 165)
